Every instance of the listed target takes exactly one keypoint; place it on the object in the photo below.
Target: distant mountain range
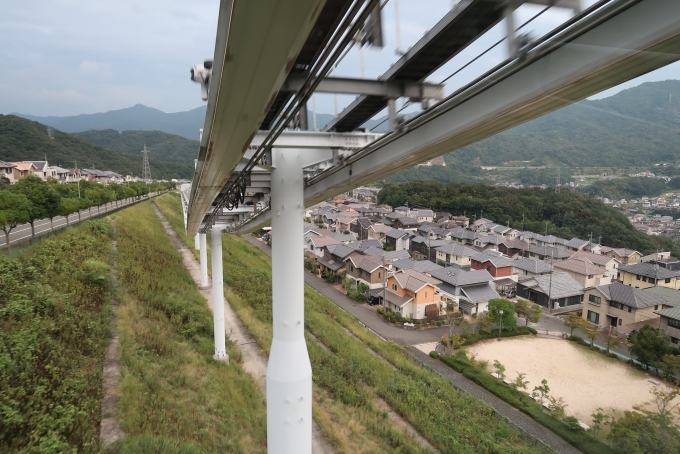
(22, 140)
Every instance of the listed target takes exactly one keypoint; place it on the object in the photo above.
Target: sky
(69, 57)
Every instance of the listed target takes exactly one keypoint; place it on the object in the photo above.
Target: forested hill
(22, 139)
(163, 146)
(569, 213)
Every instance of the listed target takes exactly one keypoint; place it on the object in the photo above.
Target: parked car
(511, 293)
(630, 335)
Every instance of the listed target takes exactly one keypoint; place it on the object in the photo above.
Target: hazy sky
(67, 57)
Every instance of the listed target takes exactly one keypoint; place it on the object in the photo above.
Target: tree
(68, 207)
(529, 311)
(520, 382)
(670, 365)
(14, 209)
(34, 189)
(500, 369)
(610, 337)
(600, 419)
(484, 323)
(592, 330)
(542, 390)
(663, 397)
(645, 433)
(557, 406)
(574, 321)
(497, 305)
(52, 205)
(649, 345)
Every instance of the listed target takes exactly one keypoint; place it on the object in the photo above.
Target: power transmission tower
(146, 171)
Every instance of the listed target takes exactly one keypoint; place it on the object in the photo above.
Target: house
(94, 175)
(462, 221)
(546, 253)
(316, 244)
(456, 255)
(42, 169)
(7, 171)
(342, 222)
(481, 224)
(511, 248)
(663, 259)
(610, 264)
(644, 275)
(441, 216)
(389, 256)
(360, 226)
(576, 244)
(623, 255)
(484, 242)
(525, 268)
(670, 323)
(334, 257)
(463, 236)
(551, 240)
(471, 289)
(495, 264)
(425, 248)
(559, 288)
(397, 240)
(587, 274)
(362, 245)
(63, 175)
(671, 296)
(618, 305)
(402, 210)
(421, 215)
(424, 266)
(342, 237)
(412, 294)
(405, 223)
(366, 269)
(22, 169)
(378, 231)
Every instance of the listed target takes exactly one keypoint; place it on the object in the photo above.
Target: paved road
(411, 337)
(23, 231)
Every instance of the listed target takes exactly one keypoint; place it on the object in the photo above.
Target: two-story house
(670, 324)
(551, 290)
(360, 226)
(609, 264)
(525, 268)
(397, 240)
(454, 254)
(412, 294)
(405, 223)
(378, 231)
(472, 289)
(422, 215)
(586, 273)
(463, 236)
(576, 244)
(7, 171)
(366, 269)
(334, 257)
(644, 275)
(619, 305)
(495, 264)
(317, 244)
(22, 169)
(623, 255)
(425, 248)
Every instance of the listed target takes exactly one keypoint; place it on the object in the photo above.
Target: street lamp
(501, 326)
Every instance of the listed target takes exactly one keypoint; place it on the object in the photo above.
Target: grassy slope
(170, 386)
(54, 329)
(348, 378)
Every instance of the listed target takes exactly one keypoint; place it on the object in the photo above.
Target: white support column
(218, 295)
(289, 372)
(392, 114)
(204, 260)
(197, 242)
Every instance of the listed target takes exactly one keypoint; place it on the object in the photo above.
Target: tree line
(32, 199)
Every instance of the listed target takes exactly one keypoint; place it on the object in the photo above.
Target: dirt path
(254, 359)
(109, 430)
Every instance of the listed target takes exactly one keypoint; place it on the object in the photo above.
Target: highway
(23, 231)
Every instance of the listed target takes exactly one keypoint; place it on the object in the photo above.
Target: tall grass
(173, 396)
(348, 378)
(54, 328)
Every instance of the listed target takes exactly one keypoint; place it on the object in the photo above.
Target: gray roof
(551, 239)
(549, 251)
(563, 285)
(424, 266)
(480, 293)
(431, 242)
(649, 270)
(407, 221)
(39, 165)
(342, 236)
(671, 312)
(397, 233)
(7, 164)
(333, 265)
(457, 249)
(459, 277)
(630, 296)
(671, 295)
(396, 299)
(463, 234)
(597, 259)
(389, 255)
(339, 250)
(490, 239)
(533, 266)
(576, 243)
(496, 260)
(364, 244)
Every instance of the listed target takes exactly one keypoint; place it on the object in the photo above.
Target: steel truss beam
(617, 43)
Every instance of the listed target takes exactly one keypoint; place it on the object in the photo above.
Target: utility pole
(552, 270)
(546, 228)
(384, 283)
(522, 222)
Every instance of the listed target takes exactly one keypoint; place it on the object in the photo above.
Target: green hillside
(637, 127)
(22, 139)
(163, 146)
(569, 213)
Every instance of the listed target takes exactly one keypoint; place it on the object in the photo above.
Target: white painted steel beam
(368, 87)
(289, 372)
(590, 56)
(256, 46)
(203, 255)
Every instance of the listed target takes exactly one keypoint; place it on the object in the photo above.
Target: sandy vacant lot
(584, 379)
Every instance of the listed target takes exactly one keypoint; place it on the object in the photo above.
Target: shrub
(476, 337)
(532, 330)
(434, 354)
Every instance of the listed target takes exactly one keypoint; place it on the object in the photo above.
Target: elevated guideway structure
(605, 45)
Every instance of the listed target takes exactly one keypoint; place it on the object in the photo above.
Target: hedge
(523, 402)
(520, 331)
